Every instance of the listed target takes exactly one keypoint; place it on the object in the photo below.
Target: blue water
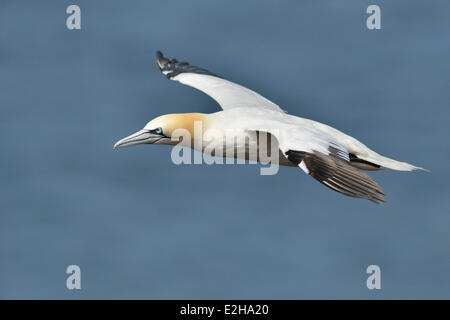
(140, 227)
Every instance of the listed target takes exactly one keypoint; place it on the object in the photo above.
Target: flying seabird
(325, 153)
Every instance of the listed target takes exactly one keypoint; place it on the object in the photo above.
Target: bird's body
(250, 123)
(303, 131)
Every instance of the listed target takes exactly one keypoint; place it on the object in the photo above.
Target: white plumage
(327, 154)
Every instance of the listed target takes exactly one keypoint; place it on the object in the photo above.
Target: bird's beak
(140, 137)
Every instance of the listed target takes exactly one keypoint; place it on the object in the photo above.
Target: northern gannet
(325, 153)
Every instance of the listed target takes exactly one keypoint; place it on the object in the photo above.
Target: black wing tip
(374, 194)
(377, 196)
(159, 58)
(172, 68)
(338, 175)
(163, 63)
(378, 201)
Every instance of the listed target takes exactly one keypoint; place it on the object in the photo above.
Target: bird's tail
(389, 163)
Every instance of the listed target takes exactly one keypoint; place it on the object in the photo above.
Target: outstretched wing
(228, 94)
(337, 174)
(328, 162)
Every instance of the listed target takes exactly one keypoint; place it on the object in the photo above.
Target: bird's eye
(158, 130)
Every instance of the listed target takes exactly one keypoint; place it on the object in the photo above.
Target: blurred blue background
(140, 227)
